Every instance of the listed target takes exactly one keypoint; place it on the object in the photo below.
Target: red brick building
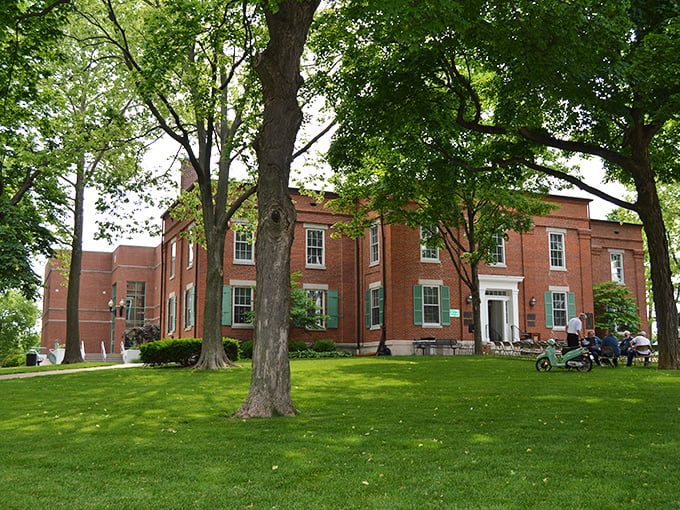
(128, 278)
(541, 279)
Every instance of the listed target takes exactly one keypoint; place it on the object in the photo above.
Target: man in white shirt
(575, 330)
(639, 346)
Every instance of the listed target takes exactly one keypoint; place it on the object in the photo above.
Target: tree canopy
(540, 82)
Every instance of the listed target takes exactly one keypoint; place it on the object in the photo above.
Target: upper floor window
(374, 244)
(243, 247)
(315, 247)
(173, 257)
(498, 250)
(557, 260)
(616, 261)
(428, 254)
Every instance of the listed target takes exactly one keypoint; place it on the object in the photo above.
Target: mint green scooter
(572, 357)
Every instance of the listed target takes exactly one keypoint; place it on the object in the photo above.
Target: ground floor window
(243, 305)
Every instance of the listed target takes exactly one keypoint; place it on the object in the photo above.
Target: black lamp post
(112, 309)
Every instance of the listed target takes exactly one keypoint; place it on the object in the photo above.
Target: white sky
(160, 156)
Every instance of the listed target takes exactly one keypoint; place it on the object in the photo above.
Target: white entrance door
(497, 324)
(500, 307)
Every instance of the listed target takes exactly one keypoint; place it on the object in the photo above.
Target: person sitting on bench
(640, 346)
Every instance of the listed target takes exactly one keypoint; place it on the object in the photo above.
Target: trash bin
(32, 359)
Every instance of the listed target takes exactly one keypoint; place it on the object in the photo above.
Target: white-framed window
(559, 309)
(316, 256)
(556, 246)
(428, 254)
(191, 246)
(375, 307)
(616, 262)
(374, 244)
(319, 298)
(243, 305)
(498, 250)
(431, 313)
(173, 256)
(172, 314)
(189, 306)
(243, 247)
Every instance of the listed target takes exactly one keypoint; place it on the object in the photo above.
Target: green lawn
(372, 433)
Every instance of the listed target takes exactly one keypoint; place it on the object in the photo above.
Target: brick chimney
(189, 176)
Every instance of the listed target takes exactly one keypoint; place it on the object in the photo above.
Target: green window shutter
(571, 305)
(381, 301)
(548, 310)
(418, 305)
(332, 309)
(445, 295)
(193, 306)
(368, 309)
(226, 305)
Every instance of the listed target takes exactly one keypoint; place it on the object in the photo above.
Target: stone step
(110, 358)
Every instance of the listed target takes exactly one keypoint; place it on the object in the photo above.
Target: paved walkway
(66, 371)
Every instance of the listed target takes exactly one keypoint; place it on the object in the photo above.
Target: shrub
(184, 351)
(324, 346)
(232, 347)
(297, 346)
(247, 349)
(13, 360)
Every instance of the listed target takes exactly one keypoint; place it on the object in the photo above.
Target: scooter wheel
(586, 365)
(543, 365)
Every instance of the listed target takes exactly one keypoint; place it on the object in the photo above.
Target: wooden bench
(434, 344)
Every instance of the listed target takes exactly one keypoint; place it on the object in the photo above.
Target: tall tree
(278, 70)
(544, 78)
(189, 63)
(102, 130)
(29, 32)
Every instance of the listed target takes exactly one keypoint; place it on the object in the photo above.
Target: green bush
(297, 346)
(13, 360)
(184, 351)
(247, 349)
(324, 346)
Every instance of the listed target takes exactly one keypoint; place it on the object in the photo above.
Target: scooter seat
(567, 349)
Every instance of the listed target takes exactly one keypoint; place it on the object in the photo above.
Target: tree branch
(314, 140)
(573, 180)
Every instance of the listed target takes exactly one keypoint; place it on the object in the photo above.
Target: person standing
(575, 330)
(640, 346)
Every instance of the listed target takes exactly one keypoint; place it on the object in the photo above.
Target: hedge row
(184, 351)
(299, 349)
(13, 360)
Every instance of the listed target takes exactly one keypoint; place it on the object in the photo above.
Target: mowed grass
(372, 433)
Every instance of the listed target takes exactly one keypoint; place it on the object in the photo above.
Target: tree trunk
(476, 309)
(72, 353)
(383, 350)
(213, 356)
(278, 69)
(649, 210)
